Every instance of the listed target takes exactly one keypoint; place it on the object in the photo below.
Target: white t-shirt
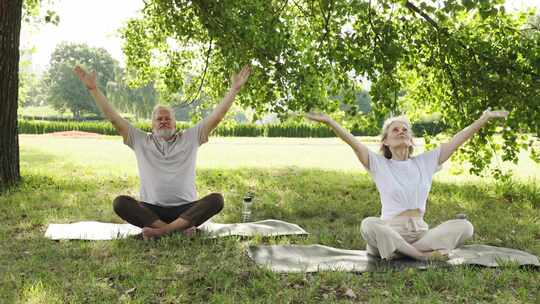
(167, 168)
(403, 185)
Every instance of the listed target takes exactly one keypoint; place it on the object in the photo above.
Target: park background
(72, 166)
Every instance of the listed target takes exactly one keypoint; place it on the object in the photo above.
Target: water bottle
(246, 208)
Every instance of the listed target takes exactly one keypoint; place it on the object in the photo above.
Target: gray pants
(383, 237)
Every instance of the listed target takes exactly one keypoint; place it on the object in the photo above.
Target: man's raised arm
(89, 80)
(237, 81)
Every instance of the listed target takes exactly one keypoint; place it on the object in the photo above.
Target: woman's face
(398, 135)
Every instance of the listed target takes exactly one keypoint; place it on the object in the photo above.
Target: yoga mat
(314, 258)
(263, 228)
(91, 230)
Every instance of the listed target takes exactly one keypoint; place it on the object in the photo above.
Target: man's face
(163, 124)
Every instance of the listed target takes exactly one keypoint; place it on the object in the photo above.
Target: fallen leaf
(130, 291)
(349, 293)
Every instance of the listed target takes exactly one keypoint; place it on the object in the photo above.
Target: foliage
(65, 90)
(450, 57)
(28, 80)
(36, 11)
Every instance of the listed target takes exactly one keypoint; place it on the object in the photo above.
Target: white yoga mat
(314, 258)
(91, 230)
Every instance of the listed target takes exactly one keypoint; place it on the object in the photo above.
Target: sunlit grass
(108, 153)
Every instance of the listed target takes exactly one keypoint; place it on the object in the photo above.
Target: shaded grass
(70, 187)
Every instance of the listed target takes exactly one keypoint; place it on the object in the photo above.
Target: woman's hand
(318, 117)
(488, 114)
(450, 147)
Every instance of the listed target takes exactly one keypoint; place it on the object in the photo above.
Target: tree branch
(377, 37)
(326, 20)
(420, 12)
(306, 14)
(206, 64)
(444, 31)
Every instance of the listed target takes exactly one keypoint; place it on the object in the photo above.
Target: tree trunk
(77, 115)
(10, 31)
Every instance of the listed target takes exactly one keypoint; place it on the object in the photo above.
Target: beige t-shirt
(167, 168)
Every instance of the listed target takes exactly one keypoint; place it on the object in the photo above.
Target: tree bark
(10, 31)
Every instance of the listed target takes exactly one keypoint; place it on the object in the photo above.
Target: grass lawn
(316, 183)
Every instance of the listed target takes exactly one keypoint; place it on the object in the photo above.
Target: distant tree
(139, 101)
(64, 88)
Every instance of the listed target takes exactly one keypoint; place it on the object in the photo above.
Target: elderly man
(166, 161)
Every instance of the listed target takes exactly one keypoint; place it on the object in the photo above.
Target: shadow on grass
(329, 205)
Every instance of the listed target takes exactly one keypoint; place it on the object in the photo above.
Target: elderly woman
(403, 182)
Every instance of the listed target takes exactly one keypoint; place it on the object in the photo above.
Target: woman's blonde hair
(403, 119)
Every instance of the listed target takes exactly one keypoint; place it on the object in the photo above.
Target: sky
(94, 22)
(97, 22)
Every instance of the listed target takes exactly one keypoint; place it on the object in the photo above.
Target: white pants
(383, 237)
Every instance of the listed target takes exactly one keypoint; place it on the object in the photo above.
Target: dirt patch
(74, 134)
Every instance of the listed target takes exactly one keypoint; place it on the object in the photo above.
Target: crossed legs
(157, 221)
(384, 239)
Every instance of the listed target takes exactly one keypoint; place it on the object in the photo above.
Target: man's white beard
(164, 133)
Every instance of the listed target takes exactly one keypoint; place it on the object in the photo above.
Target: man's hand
(238, 80)
(89, 80)
(318, 117)
(211, 122)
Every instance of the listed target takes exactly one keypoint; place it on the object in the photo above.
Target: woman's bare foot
(441, 255)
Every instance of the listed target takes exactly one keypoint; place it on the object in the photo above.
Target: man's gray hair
(160, 106)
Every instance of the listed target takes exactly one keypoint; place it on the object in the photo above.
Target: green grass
(73, 179)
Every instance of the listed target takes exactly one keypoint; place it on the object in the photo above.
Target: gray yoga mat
(91, 230)
(313, 258)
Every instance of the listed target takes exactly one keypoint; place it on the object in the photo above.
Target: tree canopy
(455, 58)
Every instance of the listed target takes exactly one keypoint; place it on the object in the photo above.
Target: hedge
(237, 130)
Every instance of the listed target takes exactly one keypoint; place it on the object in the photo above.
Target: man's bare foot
(190, 232)
(150, 233)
